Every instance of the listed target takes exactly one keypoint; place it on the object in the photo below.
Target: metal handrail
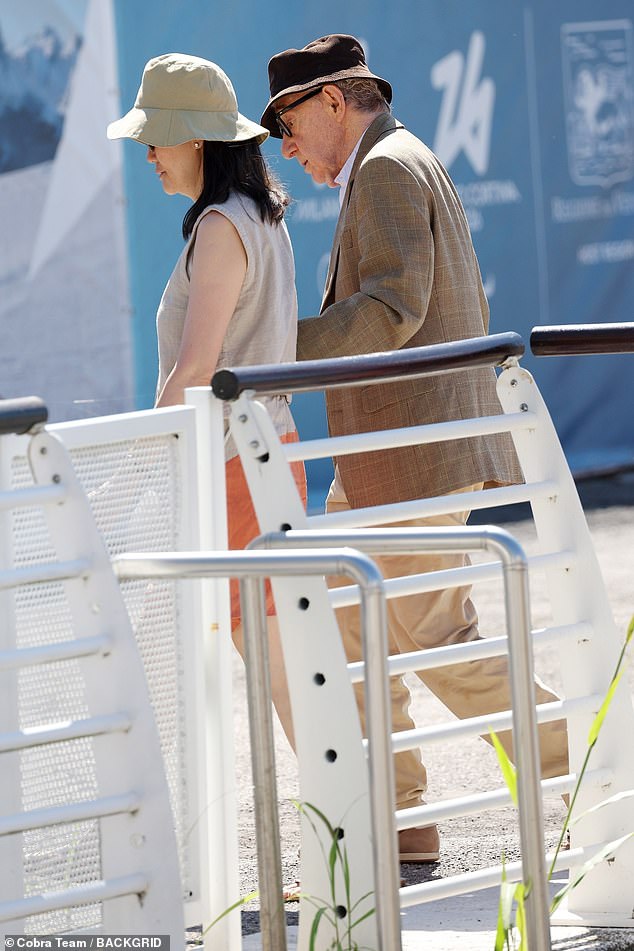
(521, 674)
(388, 367)
(21, 415)
(251, 567)
(580, 339)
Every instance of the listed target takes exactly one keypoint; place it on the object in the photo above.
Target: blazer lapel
(382, 125)
(334, 258)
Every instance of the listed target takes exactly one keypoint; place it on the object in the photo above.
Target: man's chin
(320, 178)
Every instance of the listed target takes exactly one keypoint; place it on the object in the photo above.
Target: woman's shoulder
(212, 219)
(236, 209)
(218, 235)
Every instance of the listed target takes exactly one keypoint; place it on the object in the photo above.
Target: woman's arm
(218, 268)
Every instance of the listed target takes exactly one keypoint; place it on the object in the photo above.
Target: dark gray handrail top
(572, 339)
(21, 414)
(387, 367)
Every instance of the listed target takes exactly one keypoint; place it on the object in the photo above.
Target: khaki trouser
(436, 619)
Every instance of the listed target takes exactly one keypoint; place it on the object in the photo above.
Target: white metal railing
(156, 484)
(524, 722)
(86, 831)
(252, 565)
(583, 629)
(141, 473)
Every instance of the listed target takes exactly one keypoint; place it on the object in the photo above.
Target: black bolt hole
(331, 755)
(319, 679)
(341, 911)
(285, 527)
(264, 458)
(303, 604)
(339, 833)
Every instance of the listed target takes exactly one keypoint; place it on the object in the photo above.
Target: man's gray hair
(363, 94)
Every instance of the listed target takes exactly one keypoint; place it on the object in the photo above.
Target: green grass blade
(520, 916)
(320, 815)
(302, 808)
(618, 673)
(333, 855)
(505, 911)
(597, 723)
(227, 911)
(618, 797)
(580, 873)
(368, 914)
(508, 770)
(359, 900)
(319, 903)
(315, 928)
(345, 868)
(592, 738)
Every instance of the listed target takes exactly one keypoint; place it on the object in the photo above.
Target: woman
(231, 299)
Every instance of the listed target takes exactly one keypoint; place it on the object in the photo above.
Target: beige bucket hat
(182, 98)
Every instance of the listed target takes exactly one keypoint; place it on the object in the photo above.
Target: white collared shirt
(343, 177)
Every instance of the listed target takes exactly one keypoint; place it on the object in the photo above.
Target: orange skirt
(242, 522)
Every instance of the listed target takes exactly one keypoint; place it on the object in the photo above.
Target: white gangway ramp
(582, 627)
(86, 834)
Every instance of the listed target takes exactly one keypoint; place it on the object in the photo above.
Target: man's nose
(288, 146)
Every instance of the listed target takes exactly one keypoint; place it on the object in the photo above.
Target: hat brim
(167, 127)
(355, 72)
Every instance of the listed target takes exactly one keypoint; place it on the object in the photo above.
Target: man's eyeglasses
(284, 129)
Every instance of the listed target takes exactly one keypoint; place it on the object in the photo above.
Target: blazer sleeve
(385, 268)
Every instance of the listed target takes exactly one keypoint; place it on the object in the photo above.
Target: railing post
(217, 827)
(525, 737)
(272, 916)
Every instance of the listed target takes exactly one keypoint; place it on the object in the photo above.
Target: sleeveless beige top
(263, 328)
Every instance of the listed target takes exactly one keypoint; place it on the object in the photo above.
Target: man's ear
(334, 101)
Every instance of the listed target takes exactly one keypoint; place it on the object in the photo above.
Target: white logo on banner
(466, 113)
(464, 125)
(598, 65)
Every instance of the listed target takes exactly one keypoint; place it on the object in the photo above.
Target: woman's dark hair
(237, 167)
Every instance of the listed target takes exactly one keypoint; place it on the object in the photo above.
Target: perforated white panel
(135, 488)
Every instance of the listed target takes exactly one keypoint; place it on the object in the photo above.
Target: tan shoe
(294, 893)
(419, 846)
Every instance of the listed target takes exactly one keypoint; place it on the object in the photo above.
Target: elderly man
(403, 273)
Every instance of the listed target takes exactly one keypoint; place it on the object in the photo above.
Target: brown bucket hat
(325, 60)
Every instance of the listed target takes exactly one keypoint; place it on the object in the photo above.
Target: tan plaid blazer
(403, 273)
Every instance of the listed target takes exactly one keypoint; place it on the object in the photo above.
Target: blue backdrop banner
(530, 107)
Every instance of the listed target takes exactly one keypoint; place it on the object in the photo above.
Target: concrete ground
(467, 922)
